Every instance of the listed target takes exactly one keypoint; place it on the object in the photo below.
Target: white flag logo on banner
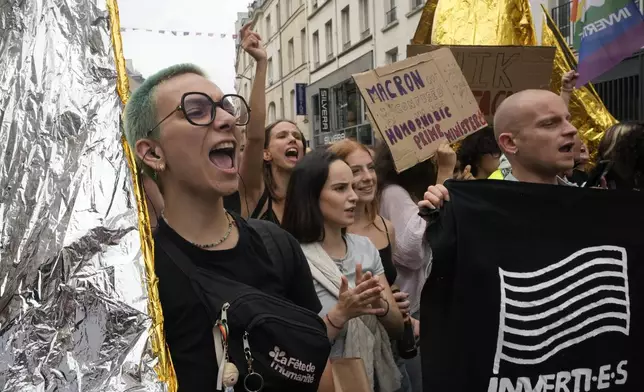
(564, 304)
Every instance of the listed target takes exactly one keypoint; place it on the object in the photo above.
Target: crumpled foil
(589, 114)
(483, 22)
(74, 312)
(423, 34)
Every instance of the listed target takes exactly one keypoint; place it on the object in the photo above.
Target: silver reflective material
(73, 301)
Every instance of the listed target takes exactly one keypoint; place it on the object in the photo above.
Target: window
(293, 112)
(303, 45)
(314, 4)
(316, 49)
(364, 18)
(278, 15)
(392, 56)
(246, 97)
(269, 71)
(328, 35)
(291, 55)
(269, 32)
(416, 3)
(346, 38)
(289, 9)
(281, 108)
(390, 15)
(271, 112)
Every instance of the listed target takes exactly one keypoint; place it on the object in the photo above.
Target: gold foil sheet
(483, 22)
(588, 112)
(74, 310)
(163, 367)
(423, 35)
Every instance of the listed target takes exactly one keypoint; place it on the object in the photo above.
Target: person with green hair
(186, 134)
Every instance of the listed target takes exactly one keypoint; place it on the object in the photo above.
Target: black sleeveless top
(268, 215)
(387, 258)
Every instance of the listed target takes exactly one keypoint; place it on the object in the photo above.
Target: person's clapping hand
(364, 299)
(251, 42)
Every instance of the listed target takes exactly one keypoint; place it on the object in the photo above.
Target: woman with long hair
(369, 223)
(284, 146)
(623, 145)
(320, 206)
(399, 194)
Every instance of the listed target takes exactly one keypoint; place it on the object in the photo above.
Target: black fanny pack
(275, 344)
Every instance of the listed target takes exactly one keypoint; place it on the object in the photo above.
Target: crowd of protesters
(345, 254)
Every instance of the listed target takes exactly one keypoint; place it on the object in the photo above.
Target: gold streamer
(164, 368)
(483, 22)
(423, 35)
(589, 114)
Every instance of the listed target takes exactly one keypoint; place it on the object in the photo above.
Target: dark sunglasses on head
(199, 109)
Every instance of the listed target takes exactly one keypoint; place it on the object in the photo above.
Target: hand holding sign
(427, 106)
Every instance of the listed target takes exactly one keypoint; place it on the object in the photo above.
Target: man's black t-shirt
(188, 329)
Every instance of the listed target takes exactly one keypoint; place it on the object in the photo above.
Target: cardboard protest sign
(418, 103)
(496, 72)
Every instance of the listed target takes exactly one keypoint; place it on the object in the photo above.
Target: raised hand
(466, 174)
(251, 42)
(568, 80)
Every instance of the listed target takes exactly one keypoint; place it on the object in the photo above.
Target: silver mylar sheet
(73, 299)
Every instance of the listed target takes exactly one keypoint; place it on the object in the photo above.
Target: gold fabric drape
(589, 114)
(164, 368)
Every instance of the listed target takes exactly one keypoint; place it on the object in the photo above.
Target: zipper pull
(224, 313)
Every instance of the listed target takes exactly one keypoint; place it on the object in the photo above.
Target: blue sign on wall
(300, 99)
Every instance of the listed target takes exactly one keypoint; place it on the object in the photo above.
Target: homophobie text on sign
(418, 103)
(496, 72)
(324, 110)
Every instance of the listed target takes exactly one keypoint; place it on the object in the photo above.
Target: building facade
(321, 43)
(282, 26)
(348, 37)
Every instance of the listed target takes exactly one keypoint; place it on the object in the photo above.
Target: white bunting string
(180, 33)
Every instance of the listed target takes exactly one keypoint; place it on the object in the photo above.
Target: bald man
(533, 129)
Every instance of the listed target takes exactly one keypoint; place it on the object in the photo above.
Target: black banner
(324, 110)
(535, 288)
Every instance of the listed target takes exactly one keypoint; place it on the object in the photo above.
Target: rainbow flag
(606, 32)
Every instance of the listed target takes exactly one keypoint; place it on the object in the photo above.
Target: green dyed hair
(140, 113)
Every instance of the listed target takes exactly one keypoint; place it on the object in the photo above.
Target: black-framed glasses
(199, 109)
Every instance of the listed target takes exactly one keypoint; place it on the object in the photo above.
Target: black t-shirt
(188, 329)
(233, 202)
